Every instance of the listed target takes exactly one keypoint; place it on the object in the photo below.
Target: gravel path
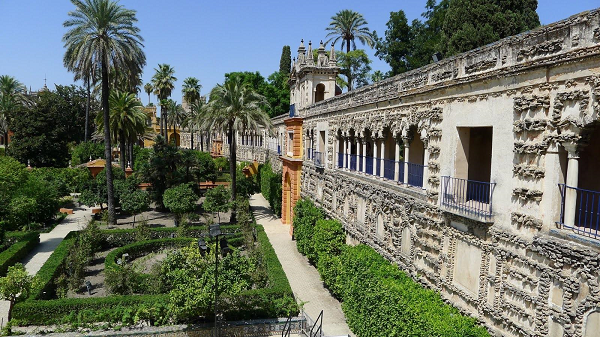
(304, 278)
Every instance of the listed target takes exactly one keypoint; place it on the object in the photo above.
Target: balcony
(580, 210)
(319, 159)
(469, 198)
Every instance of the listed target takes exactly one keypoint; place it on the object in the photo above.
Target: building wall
(516, 270)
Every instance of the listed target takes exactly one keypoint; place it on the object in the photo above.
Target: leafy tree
(377, 76)
(161, 169)
(275, 90)
(180, 199)
(84, 151)
(163, 82)
(285, 63)
(42, 133)
(355, 66)
(15, 285)
(135, 202)
(348, 25)
(221, 163)
(397, 46)
(102, 35)
(217, 200)
(469, 24)
(234, 107)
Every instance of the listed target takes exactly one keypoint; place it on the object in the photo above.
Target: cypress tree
(285, 63)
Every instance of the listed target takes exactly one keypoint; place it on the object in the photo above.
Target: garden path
(304, 278)
(48, 243)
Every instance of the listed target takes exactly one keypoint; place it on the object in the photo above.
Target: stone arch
(319, 92)
(175, 138)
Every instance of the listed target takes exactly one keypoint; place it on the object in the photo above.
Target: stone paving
(48, 243)
(304, 278)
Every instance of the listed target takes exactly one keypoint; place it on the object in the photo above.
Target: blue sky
(200, 38)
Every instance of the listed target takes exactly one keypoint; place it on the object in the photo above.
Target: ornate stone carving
(542, 49)
(520, 219)
(528, 171)
(527, 194)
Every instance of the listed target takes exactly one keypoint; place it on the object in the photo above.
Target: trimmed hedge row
(45, 312)
(122, 237)
(18, 250)
(137, 249)
(378, 298)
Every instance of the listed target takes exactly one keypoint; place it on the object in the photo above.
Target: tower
(311, 80)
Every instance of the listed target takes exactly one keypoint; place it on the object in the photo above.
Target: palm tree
(192, 120)
(176, 116)
(191, 94)
(148, 89)
(349, 25)
(102, 34)
(127, 122)
(11, 97)
(233, 107)
(163, 82)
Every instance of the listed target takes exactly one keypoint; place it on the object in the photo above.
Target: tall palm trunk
(232, 161)
(87, 112)
(161, 119)
(107, 145)
(123, 148)
(202, 141)
(131, 145)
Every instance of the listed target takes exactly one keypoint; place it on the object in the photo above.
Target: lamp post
(214, 231)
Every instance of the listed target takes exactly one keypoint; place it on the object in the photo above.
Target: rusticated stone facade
(517, 123)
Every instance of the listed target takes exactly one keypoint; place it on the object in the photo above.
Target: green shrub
(306, 215)
(270, 187)
(180, 199)
(378, 299)
(18, 251)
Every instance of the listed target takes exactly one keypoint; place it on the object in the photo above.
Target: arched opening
(369, 153)
(589, 157)
(175, 139)
(340, 149)
(287, 198)
(416, 158)
(319, 92)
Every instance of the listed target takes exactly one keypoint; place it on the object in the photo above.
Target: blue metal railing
(369, 165)
(292, 110)
(318, 158)
(415, 174)
(389, 169)
(340, 160)
(353, 160)
(467, 196)
(587, 210)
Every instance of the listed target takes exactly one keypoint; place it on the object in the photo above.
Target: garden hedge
(138, 249)
(378, 298)
(26, 242)
(276, 300)
(121, 237)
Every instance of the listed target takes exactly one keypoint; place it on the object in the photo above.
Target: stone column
(375, 140)
(364, 154)
(406, 154)
(397, 161)
(382, 161)
(425, 164)
(348, 149)
(572, 181)
(358, 155)
(344, 154)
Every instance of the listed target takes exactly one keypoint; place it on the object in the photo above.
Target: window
(290, 144)
(320, 92)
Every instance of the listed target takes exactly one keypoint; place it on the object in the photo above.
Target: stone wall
(518, 272)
